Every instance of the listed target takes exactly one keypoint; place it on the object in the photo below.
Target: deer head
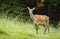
(31, 10)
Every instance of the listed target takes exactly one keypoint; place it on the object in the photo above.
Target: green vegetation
(15, 22)
(11, 29)
(13, 9)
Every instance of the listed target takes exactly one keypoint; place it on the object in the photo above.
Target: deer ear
(34, 8)
(28, 8)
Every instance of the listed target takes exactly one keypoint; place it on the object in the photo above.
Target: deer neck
(31, 15)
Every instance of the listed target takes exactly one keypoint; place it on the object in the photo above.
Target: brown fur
(41, 18)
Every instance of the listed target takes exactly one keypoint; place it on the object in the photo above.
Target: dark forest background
(17, 9)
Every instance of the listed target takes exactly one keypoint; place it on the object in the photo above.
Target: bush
(3, 32)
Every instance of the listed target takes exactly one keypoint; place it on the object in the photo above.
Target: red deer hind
(39, 19)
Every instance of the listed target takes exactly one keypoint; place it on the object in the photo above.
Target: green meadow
(12, 29)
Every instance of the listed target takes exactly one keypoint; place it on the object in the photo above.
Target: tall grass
(12, 29)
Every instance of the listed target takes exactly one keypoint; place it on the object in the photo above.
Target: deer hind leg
(36, 27)
(48, 27)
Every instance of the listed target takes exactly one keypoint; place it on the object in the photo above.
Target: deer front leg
(36, 27)
(45, 26)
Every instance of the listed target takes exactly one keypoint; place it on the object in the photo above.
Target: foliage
(17, 9)
(3, 32)
(13, 9)
(53, 1)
